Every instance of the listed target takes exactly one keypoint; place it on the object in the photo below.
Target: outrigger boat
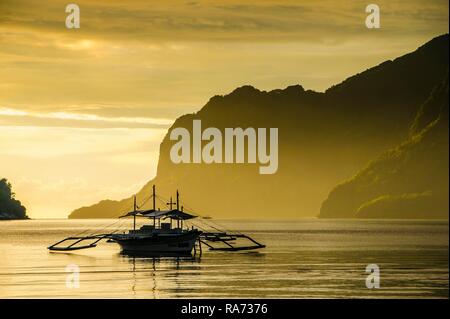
(167, 234)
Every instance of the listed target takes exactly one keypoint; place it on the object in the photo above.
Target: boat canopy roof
(151, 213)
(138, 213)
(174, 214)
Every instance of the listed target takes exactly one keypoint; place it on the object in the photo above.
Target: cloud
(15, 117)
(229, 20)
(172, 56)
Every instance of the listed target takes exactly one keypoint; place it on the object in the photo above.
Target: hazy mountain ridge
(323, 139)
(409, 181)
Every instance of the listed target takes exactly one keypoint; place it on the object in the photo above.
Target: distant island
(10, 208)
(373, 146)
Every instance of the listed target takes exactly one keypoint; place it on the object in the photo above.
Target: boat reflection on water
(158, 274)
(161, 255)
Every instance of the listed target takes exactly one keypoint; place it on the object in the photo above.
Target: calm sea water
(303, 259)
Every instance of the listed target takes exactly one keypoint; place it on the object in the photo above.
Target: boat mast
(134, 213)
(178, 206)
(154, 197)
(154, 205)
(171, 204)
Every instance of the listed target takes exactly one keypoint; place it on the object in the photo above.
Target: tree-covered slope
(10, 208)
(409, 181)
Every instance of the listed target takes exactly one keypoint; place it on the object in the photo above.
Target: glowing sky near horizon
(82, 112)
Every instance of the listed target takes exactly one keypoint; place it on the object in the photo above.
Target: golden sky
(82, 111)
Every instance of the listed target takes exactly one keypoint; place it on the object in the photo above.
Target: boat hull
(161, 244)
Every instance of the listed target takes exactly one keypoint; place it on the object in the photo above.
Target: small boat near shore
(167, 233)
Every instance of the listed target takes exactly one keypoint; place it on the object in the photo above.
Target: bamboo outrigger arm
(72, 246)
(225, 238)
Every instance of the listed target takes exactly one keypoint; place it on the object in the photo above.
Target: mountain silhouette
(324, 138)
